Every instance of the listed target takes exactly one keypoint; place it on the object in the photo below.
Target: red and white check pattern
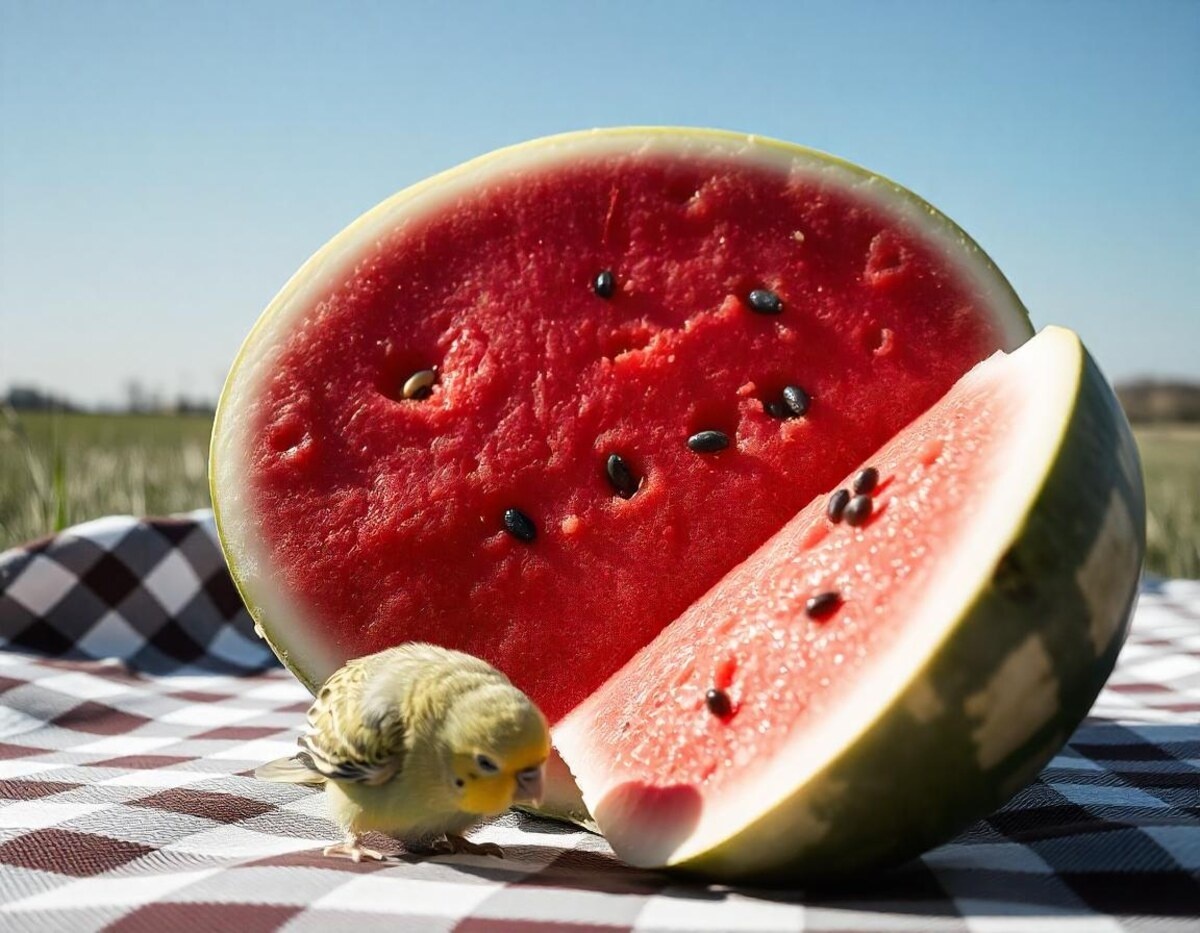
(127, 803)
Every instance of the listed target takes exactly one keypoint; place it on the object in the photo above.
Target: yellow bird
(420, 743)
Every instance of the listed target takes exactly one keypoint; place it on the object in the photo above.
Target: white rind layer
(1048, 369)
(303, 648)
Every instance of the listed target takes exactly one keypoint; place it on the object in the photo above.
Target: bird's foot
(457, 845)
(354, 849)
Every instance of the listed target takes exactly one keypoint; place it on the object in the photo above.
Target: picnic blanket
(135, 701)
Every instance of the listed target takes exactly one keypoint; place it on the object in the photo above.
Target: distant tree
(31, 398)
(1150, 400)
(192, 406)
(135, 395)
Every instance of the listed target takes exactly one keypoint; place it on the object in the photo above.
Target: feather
(289, 771)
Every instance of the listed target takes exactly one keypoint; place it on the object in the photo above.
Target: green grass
(1171, 461)
(60, 469)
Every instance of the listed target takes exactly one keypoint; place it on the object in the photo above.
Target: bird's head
(498, 743)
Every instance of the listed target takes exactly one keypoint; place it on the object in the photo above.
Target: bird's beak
(529, 785)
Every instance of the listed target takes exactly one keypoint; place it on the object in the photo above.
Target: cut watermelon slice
(417, 439)
(978, 612)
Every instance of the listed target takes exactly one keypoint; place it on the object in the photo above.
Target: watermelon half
(353, 517)
(536, 407)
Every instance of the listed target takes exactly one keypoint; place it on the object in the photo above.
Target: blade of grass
(61, 511)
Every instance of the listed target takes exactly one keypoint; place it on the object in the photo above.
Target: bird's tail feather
(289, 771)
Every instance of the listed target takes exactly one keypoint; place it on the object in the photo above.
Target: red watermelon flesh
(379, 519)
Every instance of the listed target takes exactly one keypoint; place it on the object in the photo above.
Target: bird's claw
(457, 845)
(354, 850)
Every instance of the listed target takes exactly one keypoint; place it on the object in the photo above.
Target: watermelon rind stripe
(1015, 674)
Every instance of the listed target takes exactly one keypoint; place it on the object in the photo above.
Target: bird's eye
(486, 765)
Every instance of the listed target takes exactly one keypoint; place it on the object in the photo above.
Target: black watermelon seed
(858, 510)
(865, 481)
(764, 301)
(796, 400)
(775, 409)
(604, 284)
(718, 702)
(620, 476)
(708, 442)
(837, 505)
(519, 525)
(822, 605)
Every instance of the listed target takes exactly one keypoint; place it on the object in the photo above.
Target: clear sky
(165, 167)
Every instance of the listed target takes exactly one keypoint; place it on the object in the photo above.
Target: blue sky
(165, 167)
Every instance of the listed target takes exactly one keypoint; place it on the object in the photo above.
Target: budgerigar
(420, 743)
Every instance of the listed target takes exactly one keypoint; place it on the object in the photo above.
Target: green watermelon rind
(280, 619)
(1059, 600)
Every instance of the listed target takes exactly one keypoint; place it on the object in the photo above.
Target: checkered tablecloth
(135, 701)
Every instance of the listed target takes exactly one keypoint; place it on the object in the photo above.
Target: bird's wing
(345, 740)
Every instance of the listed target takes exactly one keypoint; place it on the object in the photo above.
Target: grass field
(1171, 462)
(61, 469)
